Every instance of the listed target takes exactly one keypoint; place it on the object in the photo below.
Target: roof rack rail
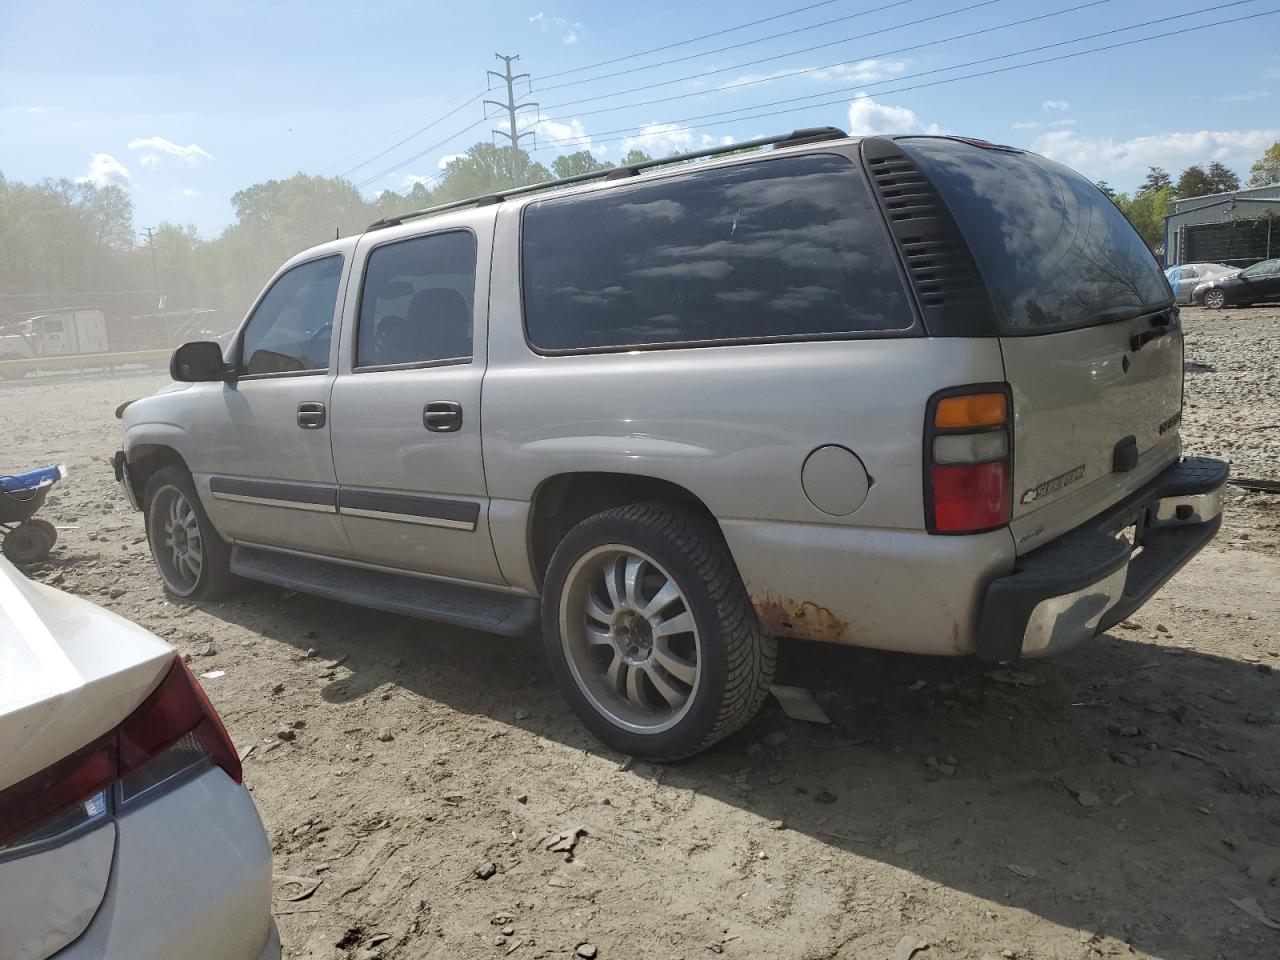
(794, 138)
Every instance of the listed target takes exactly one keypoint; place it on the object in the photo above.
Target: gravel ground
(435, 785)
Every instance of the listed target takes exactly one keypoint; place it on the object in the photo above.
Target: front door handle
(442, 416)
(311, 415)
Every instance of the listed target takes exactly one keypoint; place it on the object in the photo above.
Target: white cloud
(573, 130)
(189, 192)
(1056, 105)
(148, 160)
(1248, 96)
(443, 162)
(1065, 122)
(662, 139)
(864, 71)
(105, 171)
(191, 153)
(571, 32)
(869, 118)
(1027, 125)
(1105, 157)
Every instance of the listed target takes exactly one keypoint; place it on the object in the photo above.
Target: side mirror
(198, 362)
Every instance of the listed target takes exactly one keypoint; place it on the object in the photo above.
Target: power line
(923, 73)
(804, 70)
(627, 132)
(681, 43)
(446, 102)
(775, 36)
(422, 153)
(417, 133)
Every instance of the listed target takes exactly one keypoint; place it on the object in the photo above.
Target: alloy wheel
(176, 541)
(630, 638)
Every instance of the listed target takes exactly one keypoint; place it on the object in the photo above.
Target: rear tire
(1215, 299)
(193, 561)
(650, 633)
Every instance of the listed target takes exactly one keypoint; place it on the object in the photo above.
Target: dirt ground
(1116, 807)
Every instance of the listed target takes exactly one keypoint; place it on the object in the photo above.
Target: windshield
(1261, 269)
(1054, 251)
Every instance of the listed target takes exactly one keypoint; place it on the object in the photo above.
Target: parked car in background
(1184, 278)
(896, 392)
(125, 832)
(1259, 283)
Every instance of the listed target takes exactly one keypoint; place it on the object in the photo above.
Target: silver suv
(913, 393)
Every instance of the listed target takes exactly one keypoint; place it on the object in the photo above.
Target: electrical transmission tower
(512, 108)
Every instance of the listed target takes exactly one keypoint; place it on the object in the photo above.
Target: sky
(183, 104)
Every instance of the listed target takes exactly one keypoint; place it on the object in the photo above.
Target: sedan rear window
(1054, 251)
(785, 248)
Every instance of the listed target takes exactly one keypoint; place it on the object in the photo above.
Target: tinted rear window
(782, 248)
(1054, 251)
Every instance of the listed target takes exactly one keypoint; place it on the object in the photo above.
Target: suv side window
(786, 248)
(416, 305)
(291, 329)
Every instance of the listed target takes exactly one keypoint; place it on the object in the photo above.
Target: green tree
(1106, 189)
(1146, 210)
(577, 164)
(1157, 179)
(486, 168)
(1222, 178)
(1266, 170)
(635, 156)
(1194, 182)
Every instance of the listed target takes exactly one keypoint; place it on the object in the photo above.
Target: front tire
(650, 633)
(193, 561)
(1215, 299)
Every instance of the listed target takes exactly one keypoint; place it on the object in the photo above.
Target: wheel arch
(145, 459)
(563, 500)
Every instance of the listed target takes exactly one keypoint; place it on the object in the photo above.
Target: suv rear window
(1054, 251)
(786, 248)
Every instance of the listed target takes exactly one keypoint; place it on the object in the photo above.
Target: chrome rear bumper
(1087, 581)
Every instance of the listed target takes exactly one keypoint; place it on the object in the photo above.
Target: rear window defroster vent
(943, 275)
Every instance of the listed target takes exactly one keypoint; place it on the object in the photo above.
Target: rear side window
(416, 305)
(786, 248)
(1054, 251)
(292, 327)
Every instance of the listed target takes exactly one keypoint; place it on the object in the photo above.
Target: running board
(472, 607)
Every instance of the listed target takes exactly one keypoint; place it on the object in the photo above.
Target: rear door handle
(442, 416)
(311, 415)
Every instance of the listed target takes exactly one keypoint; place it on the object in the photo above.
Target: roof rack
(794, 138)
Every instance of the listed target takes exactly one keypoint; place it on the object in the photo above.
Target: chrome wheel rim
(176, 542)
(630, 639)
(1214, 299)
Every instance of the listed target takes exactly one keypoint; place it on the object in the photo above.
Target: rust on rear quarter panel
(804, 620)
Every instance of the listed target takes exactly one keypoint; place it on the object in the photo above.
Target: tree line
(1147, 206)
(65, 243)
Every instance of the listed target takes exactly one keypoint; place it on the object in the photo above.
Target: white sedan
(125, 832)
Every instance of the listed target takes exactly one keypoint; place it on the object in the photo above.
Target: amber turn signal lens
(974, 410)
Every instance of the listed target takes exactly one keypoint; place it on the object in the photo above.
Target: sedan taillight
(968, 460)
(172, 731)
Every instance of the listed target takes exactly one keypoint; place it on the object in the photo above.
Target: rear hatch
(69, 672)
(1091, 346)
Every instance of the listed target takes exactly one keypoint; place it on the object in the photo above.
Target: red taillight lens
(174, 709)
(970, 498)
(968, 459)
(177, 707)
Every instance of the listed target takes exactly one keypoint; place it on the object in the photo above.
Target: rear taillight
(173, 731)
(968, 460)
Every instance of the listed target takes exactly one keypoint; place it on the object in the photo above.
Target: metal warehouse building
(1239, 228)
